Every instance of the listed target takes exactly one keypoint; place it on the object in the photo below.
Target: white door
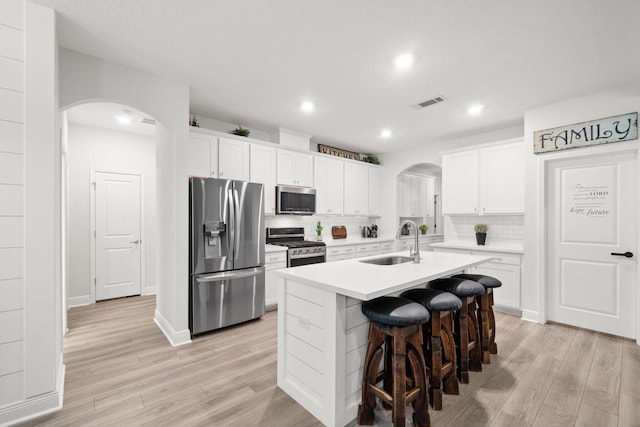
(117, 234)
(592, 215)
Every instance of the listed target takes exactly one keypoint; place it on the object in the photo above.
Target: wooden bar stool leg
(366, 415)
(435, 391)
(463, 349)
(493, 347)
(485, 326)
(399, 360)
(417, 362)
(450, 382)
(475, 353)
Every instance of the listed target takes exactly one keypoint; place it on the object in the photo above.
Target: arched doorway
(108, 182)
(419, 188)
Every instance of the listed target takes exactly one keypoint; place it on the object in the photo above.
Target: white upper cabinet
(263, 170)
(356, 189)
(484, 181)
(328, 181)
(374, 191)
(203, 155)
(502, 179)
(233, 158)
(460, 183)
(295, 168)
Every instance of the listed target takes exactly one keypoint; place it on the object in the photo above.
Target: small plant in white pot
(481, 233)
(319, 229)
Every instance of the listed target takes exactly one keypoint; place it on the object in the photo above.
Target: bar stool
(438, 340)
(398, 322)
(485, 312)
(466, 323)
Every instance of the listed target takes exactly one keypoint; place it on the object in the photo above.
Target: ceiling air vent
(147, 121)
(431, 101)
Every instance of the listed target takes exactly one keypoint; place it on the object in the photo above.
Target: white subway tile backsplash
(500, 227)
(12, 197)
(11, 263)
(11, 74)
(11, 137)
(11, 294)
(11, 43)
(11, 388)
(11, 326)
(12, 13)
(11, 168)
(353, 224)
(11, 232)
(11, 105)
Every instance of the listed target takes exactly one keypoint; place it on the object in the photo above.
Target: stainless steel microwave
(295, 200)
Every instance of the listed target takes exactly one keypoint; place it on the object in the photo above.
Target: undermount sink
(390, 260)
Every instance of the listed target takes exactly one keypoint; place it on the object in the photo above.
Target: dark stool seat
(466, 332)
(485, 313)
(395, 323)
(440, 347)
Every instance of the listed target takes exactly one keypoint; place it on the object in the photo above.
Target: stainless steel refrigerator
(226, 253)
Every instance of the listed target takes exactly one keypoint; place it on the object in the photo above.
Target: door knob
(626, 254)
(135, 242)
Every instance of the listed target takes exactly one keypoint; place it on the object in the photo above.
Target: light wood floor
(122, 371)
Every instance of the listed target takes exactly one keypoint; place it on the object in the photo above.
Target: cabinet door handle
(221, 173)
(626, 254)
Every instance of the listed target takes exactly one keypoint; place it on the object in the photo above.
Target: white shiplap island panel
(322, 333)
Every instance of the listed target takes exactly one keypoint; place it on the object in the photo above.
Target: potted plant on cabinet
(423, 228)
(481, 233)
(319, 229)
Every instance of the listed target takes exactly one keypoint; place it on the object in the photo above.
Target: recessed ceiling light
(475, 109)
(307, 106)
(124, 118)
(403, 61)
(386, 133)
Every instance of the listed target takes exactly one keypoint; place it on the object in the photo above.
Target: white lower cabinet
(273, 261)
(338, 253)
(368, 249)
(505, 267)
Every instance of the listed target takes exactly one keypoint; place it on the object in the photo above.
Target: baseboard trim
(531, 316)
(508, 310)
(271, 304)
(149, 290)
(37, 406)
(176, 339)
(78, 301)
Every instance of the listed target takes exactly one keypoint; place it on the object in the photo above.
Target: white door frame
(544, 166)
(92, 227)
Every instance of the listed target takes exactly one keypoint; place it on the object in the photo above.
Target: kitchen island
(322, 333)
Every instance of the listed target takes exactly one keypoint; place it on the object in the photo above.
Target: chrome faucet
(413, 252)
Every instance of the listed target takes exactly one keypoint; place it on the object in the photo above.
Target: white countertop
(367, 281)
(498, 246)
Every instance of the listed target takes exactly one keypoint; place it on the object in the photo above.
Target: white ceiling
(103, 115)
(253, 62)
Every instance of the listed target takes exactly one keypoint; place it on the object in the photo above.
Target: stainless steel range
(301, 252)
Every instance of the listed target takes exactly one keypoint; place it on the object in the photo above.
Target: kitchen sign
(601, 131)
(325, 149)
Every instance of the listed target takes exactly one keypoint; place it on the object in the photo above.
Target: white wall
(12, 205)
(395, 163)
(30, 280)
(101, 149)
(591, 107)
(166, 101)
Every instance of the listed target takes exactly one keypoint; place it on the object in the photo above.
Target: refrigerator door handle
(232, 224)
(236, 221)
(227, 275)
